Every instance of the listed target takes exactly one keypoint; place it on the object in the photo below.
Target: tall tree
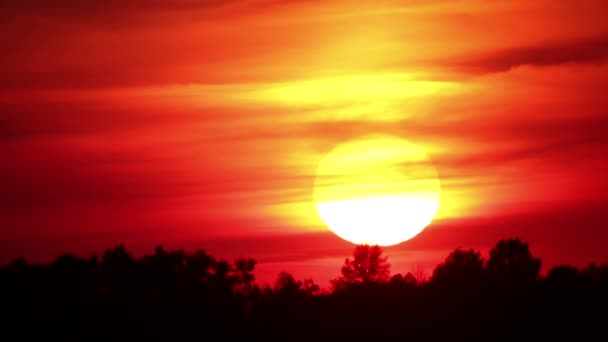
(462, 269)
(512, 265)
(368, 265)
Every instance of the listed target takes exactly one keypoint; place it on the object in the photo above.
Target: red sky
(199, 124)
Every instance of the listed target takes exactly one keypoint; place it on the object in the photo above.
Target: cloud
(47, 119)
(76, 9)
(133, 12)
(583, 50)
(65, 157)
(104, 44)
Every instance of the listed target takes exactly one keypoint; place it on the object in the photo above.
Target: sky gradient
(200, 124)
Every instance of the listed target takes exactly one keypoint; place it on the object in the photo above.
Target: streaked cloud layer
(206, 119)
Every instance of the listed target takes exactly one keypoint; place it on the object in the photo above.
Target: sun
(378, 189)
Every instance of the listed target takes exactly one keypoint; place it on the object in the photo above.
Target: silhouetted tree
(511, 265)
(198, 267)
(118, 271)
(409, 280)
(74, 277)
(563, 277)
(243, 270)
(286, 283)
(367, 266)
(596, 274)
(176, 294)
(461, 270)
(161, 271)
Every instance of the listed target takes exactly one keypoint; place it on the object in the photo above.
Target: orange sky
(201, 123)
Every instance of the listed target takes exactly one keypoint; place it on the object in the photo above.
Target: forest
(178, 294)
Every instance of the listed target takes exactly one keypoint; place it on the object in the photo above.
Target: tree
(563, 278)
(286, 283)
(461, 269)
(287, 286)
(243, 270)
(511, 265)
(367, 266)
(399, 280)
(118, 269)
(596, 276)
(198, 267)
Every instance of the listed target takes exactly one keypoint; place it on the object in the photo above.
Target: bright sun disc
(377, 190)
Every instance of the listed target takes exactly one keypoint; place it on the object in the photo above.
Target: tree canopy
(174, 293)
(368, 265)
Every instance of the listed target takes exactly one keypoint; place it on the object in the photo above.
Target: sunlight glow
(377, 190)
(354, 88)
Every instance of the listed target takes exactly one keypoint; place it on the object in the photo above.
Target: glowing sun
(378, 189)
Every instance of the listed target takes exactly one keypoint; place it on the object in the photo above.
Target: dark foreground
(174, 295)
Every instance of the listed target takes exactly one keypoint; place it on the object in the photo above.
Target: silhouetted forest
(174, 294)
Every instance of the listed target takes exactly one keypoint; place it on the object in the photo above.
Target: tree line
(178, 294)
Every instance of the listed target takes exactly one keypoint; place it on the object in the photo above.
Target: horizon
(322, 264)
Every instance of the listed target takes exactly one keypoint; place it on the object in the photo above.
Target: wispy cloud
(592, 50)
